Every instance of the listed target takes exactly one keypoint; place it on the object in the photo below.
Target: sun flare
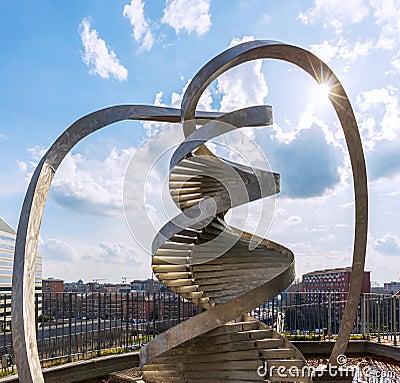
(323, 90)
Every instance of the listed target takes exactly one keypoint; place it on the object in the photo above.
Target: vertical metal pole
(121, 320)
(398, 321)
(79, 347)
(49, 327)
(5, 322)
(170, 315)
(69, 327)
(92, 318)
(143, 314)
(63, 323)
(163, 314)
(75, 310)
(86, 324)
(44, 312)
(389, 317)
(98, 324)
(127, 323)
(147, 300)
(110, 316)
(36, 313)
(386, 317)
(329, 315)
(273, 313)
(367, 315)
(155, 308)
(358, 317)
(364, 316)
(179, 309)
(398, 316)
(379, 319)
(394, 320)
(57, 315)
(137, 306)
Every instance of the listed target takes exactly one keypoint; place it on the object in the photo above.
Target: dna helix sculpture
(224, 270)
(198, 256)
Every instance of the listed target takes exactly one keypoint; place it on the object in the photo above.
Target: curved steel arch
(23, 302)
(23, 314)
(307, 61)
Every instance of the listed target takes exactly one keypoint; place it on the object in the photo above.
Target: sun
(322, 91)
(320, 94)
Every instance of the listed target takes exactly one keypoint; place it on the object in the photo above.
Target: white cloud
(309, 235)
(370, 103)
(92, 186)
(239, 88)
(22, 166)
(205, 104)
(379, 116)
(338, 14)
(387, 15)
(37, 152)
(335, 13)
(55, 248)
(325, 236)
(354, 51)
(91, 193)
(3, 137)
(141, 29)
(189, 16)
(294, 220)
(86, 186)
(27, 167)
(396, 62)
(97, 56)
(388, 244)
(325, 51)
(71, 260)
(242, 86)
(342, 49)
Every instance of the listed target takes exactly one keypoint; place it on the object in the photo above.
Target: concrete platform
(130, 375)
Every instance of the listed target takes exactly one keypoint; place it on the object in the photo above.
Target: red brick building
(318, 284)
(52, 285)
(332, 280)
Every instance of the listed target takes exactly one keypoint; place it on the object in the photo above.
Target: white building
(7, 245)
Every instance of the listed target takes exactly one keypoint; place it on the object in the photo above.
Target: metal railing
(73, 326)
(320, 314)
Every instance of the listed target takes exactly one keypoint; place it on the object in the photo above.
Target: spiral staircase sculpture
(197, 255)
(213, 266)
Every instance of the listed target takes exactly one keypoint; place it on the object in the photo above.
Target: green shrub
(311, 337)
(358, 337)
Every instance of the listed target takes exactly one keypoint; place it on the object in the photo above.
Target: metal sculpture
(222, 343)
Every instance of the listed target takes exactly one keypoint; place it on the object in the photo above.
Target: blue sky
(62, 60)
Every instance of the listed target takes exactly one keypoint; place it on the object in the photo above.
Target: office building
(391, 287)
(332, 280)
(7, 246)
(148, 285)
(52, 285)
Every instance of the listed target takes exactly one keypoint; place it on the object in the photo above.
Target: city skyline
(63, 61)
